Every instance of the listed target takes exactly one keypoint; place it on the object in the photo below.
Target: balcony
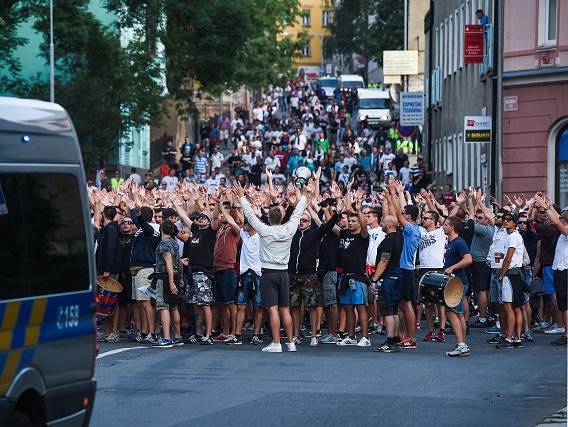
(487, 64)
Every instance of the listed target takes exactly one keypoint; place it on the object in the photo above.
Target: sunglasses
(127, 223)
(479, 217)
(522, 222)
(304, 220)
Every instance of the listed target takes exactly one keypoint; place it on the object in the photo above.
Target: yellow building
(314, 21)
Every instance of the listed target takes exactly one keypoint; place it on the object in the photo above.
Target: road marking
(117, 350)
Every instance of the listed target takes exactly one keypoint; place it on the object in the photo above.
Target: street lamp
(51, 55)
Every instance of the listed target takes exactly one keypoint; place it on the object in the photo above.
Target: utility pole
(51, 55)
(405, 39)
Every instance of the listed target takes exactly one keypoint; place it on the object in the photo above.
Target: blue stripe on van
(58, 325)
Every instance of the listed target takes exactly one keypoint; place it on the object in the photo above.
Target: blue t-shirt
(411, 234)
(455, 252)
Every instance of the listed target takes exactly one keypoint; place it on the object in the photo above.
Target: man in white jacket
(275, 241)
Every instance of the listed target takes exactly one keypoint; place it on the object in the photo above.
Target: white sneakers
(363, 342)
(291, 346)
(273, 348)
(328, 339)
(314, 342)
(277, 348)
(347, 341)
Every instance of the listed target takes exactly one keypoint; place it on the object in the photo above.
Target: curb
(556, 419)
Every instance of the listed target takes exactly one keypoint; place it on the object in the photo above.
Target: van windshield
(328, 82)
(353, 84)
(374, 104)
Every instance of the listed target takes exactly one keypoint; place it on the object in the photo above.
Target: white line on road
(117, 350)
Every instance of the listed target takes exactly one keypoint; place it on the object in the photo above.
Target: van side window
(43, 248)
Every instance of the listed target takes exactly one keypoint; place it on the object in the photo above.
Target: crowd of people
(213, 263)
(214, 245)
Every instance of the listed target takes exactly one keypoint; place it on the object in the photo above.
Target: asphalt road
(328, 385)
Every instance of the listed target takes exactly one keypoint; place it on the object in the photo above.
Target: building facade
(455, 90)
(315, 19)
(417, 40)
(535, 98)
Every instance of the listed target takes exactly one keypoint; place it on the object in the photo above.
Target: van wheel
(19, 419)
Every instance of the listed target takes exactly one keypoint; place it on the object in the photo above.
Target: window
(43, 246)
(326, 18)
(306, 18)
(457, 34)
(377, 103)
(468, 12)
(461, 35)
(451, 43)
(562, 168)
(547, 22)
(307, 51)
(447, 41)
(443, 52)
(437, 47)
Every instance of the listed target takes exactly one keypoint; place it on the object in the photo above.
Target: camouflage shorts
(304, 288)
(201, 290)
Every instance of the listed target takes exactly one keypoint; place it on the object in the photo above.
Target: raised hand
(460, 198)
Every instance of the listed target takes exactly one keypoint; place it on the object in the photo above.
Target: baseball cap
(205, 214)
(510, 217)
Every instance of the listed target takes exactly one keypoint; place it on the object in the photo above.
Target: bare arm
(381, 266)
(465, 261)
(506, 262)
(170, 270)
(230, 220)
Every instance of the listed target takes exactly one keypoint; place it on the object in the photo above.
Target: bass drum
(439, 288)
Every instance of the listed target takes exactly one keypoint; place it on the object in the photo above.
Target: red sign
(473, 38)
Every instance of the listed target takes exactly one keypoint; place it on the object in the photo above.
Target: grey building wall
(455, 90)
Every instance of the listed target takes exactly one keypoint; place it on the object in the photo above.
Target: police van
(47, 274)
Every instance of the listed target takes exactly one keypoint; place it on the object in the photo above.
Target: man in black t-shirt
(352, 281)
(388, 269)
(199, 250)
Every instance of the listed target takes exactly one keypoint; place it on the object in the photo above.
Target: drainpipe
(430, 85)
(497, 108)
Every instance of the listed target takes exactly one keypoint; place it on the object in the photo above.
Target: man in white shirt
(216, 158)
(386, 159)
(213, 181)
(376, 236)
(250, 271)
(431, 259)
(511, 281)
(299, 140)
(258, 112)
(495, 257)
(272, 162)
(170, 181)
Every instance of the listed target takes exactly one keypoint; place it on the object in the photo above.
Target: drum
(439, 288)
(108, 291)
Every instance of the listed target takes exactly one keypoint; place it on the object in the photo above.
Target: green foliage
(352, 33)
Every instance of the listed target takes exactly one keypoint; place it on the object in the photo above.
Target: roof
(32, 114)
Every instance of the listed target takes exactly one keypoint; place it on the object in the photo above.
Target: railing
(487, 50)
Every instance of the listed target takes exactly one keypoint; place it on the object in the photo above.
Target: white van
(351, 81)
(375, 106)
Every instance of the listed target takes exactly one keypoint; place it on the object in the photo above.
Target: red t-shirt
(225, 251)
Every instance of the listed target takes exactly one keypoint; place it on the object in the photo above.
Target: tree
(105, 87)
(366, 28)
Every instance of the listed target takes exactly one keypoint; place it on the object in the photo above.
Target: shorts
(223, 134)
(141, 281)
(356, 296)
(408, 291)
(201, 288)
(495, 291)
(480, 276)
(459, 309)
(548, 280)
(249, 286)
(165, 300)
(274, 288)
(329, 288)
(125, 280)
(225, 286)
(304, 288)
(389, 294)
(517, 289)
(561, 284)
